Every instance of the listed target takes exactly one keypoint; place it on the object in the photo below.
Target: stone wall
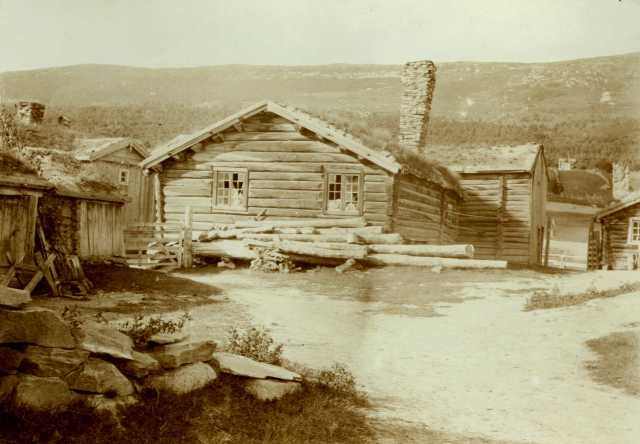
(47, 363)
(418, 81)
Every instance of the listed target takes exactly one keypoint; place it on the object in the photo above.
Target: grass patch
(544, 299)
(618, 363)
(222, 412)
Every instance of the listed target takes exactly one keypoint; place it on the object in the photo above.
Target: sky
(162, 33)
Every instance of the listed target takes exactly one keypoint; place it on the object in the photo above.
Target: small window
(343, 193)
(123, 177)
(634, 231)
(230, 189)
(452, 215)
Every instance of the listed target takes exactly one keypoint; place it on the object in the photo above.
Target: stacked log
(270, 244)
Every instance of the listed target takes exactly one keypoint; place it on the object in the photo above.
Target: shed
(117, 159)
(621, 234)
(504, 212)
(275, 161)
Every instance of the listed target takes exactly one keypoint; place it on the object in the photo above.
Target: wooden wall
(617, 249)
(286, 175)
(18, 215)
(100, 229)
(496, 216)
(538, 210)
(421, 211)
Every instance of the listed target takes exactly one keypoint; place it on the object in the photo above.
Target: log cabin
(504, 212)
(620, 227)
(117, 159)
(277, 162)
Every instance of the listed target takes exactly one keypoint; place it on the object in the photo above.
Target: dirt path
(459, 355)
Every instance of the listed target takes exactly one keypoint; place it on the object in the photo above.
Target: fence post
(187, 242)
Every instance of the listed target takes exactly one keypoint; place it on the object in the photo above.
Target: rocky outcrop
(10, 360)
(175, 355)
(45, 361)
(98, 376)
(270, 389)
(167, 338)
(242, 366)
(184, 379)
(42, 393)
(103, 340)
(140, 366)
(36, 326)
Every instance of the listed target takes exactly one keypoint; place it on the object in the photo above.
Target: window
(451, 215)
(230, 189)
(123, 177)
(634, 231)
(343, 193)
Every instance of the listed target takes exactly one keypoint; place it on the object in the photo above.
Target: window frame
(215, 172)
(325, 194)
(126, 175)
(630, 240)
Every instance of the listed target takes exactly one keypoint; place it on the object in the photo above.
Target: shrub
(338, 378)
(255, 344)
(141, 331)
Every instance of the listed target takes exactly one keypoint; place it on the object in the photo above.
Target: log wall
(495, 217)
(421, 211)
(617, 249)
(286, 175)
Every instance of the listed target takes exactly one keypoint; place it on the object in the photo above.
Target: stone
(7, 385)
(184, 379)
(10, 360)
(37, 326)
(45, 361)
(167, 338)
(141, 365)
(269, 389)
(174, 355)
(98, 376)
(11, 297)
(42, 393)
(242, 366)
(101, 339)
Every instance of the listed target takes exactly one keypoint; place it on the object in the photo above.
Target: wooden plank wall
(18, 216)
(420, 211)
(538, 208)
(495, 216)
(101, 229)
(286, 175)
(616, 245)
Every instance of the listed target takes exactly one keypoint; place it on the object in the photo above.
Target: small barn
(620, 226)
(117, 159)
(504, 211)
(274, 161)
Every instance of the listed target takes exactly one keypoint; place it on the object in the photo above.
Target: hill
(607, 87)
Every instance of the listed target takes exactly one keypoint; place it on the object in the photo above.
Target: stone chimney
(30, 112)
(418, 81)
(619, 180)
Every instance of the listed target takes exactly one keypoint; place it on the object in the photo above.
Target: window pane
(230, 189)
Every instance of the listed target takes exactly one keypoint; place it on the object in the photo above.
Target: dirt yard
(449, 357)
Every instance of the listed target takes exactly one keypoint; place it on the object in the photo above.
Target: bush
(141, 331)
(255, 344)
(338, 378)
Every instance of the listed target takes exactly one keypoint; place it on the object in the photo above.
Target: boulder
(270, 389)
(141, 365)
(7, 385)
(174, 355)
(98, 376)
(42, 393)
(101, 339)
(167, 338)
(37, 326)
(10, 360)
(242, 366)
(10, 297)
(184, 379)
(45, 361)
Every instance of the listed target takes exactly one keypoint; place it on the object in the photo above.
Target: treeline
(590, 141)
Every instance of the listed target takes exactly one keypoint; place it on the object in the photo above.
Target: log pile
(277, 245)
